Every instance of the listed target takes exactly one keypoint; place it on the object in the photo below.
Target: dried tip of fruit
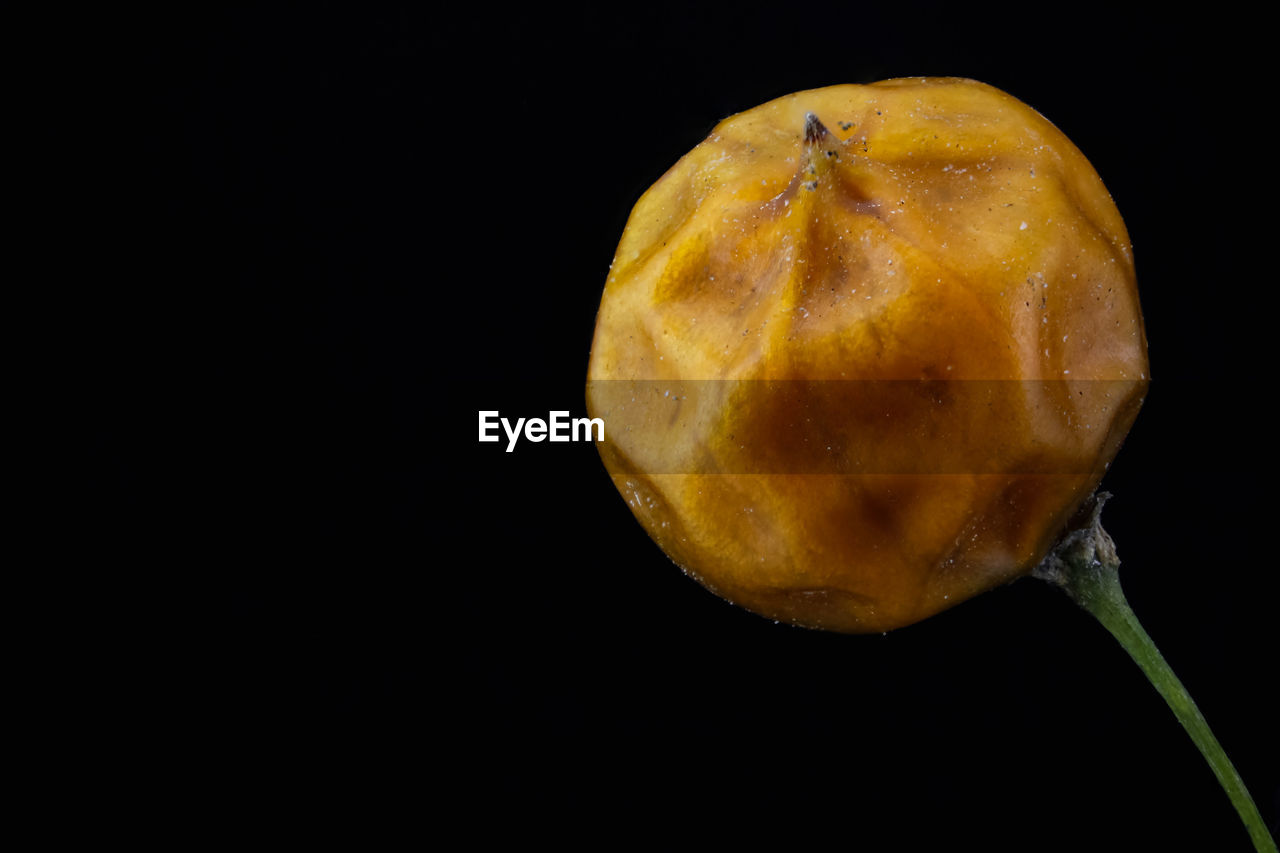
(814, 130)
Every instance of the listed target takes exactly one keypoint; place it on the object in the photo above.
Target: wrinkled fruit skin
(924, 287)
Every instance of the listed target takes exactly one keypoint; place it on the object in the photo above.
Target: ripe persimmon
(864, 351)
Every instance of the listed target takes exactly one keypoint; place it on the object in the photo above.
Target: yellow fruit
(863, 351)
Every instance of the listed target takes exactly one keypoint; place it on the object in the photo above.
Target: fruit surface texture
(863, 351)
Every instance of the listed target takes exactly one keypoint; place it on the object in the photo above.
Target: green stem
(1084, 565)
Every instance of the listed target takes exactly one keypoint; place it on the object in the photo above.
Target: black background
(340, 233)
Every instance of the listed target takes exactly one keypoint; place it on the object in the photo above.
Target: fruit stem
(1085, 565)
